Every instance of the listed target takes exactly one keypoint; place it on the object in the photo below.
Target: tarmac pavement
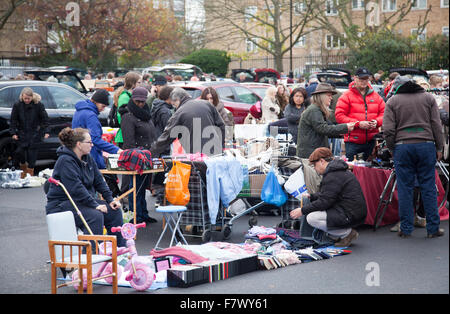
(381, 262)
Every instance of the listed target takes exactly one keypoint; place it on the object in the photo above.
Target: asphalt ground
(380, 262)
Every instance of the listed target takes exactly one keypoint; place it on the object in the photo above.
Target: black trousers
(26, 154)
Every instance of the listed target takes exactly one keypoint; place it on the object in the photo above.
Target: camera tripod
(389, 189)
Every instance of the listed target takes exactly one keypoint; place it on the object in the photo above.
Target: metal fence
(300, 65)
(11, 68)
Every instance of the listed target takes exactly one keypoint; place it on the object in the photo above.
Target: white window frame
(252, 45)
(445, 31)
(422, 36)
(333, 40)
(156, 4)
(359, 5)
(253, 10)
(443, 5)
(299, 7)
(32, 50)
(330, 8)
(389, 5)
(301, 43)
(418, 2)
(31, 25)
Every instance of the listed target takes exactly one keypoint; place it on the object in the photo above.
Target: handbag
(256, 111)
(272, 192)
(177, 190)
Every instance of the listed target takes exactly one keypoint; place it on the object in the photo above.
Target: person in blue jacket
(86, 116)
(78, 172)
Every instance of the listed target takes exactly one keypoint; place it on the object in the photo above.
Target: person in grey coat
(196, 123)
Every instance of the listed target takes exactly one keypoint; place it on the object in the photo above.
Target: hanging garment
(224, 180)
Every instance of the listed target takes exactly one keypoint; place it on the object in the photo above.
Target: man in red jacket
(360, 104)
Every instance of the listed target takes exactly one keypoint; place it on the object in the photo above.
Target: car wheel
(7, 149)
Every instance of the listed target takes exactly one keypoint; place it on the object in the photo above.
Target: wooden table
(133, 189)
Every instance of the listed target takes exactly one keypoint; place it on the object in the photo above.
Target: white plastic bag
(295, 185)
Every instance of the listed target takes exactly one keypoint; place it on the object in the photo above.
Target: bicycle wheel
(108, 270)
(143, 278)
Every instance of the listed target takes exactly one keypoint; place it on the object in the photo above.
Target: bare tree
(265, 23)
(7, 10)
(352, 27)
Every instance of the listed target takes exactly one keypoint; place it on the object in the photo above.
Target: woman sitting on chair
(78, 172)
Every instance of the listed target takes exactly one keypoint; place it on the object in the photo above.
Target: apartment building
(325, 41)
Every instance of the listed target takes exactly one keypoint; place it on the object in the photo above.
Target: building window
(30, 25)
(31, 50)
(445, 31)
(419, 4)
(444, 3)
(250, 45)
(299, 8)
(334, 42)
(155, 4)
(331, 7)
(250, 12)
(357, 4)
(301, 42)
(389, 5)
(420, 37)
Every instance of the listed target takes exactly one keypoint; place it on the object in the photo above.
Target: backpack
(112, 117)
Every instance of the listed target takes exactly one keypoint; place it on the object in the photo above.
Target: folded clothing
(178, 251)
(135, 160)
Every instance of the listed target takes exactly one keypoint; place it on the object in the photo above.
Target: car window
(5, 100)
(194, 93)
(245, 95)
(225, 94)
(261, 91)
(16, 90)
(68, 80)
(64, 98)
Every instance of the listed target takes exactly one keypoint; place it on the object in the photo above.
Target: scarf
(140, 113)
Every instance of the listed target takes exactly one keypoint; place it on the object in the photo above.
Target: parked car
(186, 71)
(59, 101)
(235, 97)
(413, 73)
(341, 78)
(259, 88)
(261, 75)
(67, 76)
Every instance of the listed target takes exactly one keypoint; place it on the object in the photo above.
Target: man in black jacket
(196, 123)
(339, 205)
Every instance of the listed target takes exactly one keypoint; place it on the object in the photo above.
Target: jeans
(141, 204)
(352, 149)
(413, 161)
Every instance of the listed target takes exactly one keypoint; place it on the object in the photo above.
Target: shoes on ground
(401, 234)
(439, 233)
(420, 222)
(346, 241)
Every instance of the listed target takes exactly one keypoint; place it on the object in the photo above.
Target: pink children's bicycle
(140, 275)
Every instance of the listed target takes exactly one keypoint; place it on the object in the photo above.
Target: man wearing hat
(86, 116)
(157, 84)
(362, 105)
(340, 205)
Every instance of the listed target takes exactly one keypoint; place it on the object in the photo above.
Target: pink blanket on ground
(178, 251)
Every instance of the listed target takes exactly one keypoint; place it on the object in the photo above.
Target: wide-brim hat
(324, 88)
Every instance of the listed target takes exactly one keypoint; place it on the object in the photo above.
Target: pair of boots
(25, 170)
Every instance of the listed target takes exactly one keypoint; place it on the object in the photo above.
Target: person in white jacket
(269, 108)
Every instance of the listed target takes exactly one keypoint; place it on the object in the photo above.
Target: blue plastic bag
(272, 192)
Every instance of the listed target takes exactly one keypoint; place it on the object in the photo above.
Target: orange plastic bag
(177, 191)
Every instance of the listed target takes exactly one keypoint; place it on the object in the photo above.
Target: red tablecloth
(372, 182)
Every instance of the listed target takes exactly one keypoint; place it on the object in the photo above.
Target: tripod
(389, 189)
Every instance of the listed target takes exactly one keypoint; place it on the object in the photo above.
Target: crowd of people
(151, 115)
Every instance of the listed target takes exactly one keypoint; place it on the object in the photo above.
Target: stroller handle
(53, 180)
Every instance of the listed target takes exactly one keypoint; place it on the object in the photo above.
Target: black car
(67, 76)
(341, 78)
(59, 101)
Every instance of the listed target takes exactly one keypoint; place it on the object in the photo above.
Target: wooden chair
(66, 251)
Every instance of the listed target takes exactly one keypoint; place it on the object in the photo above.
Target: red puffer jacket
(353, 107)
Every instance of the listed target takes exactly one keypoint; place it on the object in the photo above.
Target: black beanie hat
(101, 96)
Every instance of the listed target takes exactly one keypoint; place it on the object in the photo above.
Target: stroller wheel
(253, 221)
(226, 232)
